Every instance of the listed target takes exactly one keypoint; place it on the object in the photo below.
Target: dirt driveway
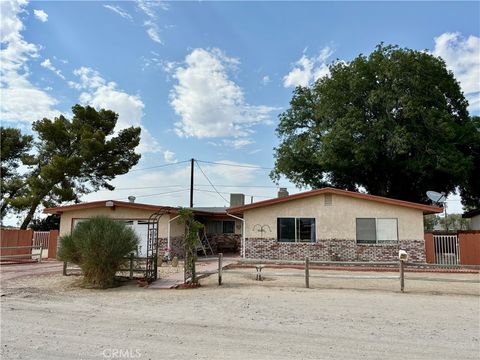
(48, 317)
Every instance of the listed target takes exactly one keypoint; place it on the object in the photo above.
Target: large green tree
(77, 156)
(394, 123)
(14, 148)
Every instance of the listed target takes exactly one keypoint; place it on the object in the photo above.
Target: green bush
(99, 246)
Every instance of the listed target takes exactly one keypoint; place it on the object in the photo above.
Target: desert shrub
(99, 246)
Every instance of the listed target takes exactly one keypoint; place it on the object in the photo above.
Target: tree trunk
(30, 214)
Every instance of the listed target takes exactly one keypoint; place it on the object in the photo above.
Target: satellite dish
(436, 197)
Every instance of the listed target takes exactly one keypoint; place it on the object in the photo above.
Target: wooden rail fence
(401, 265)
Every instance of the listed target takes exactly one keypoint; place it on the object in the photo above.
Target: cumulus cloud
(119, 11)
(47, 64)
(308, 69)
(99, 93)
(40, 15)
(169, 156)
(22, 101)
(462, 56)
(210, 104)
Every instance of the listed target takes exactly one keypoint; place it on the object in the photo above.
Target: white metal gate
(40, 238)
(447, 250)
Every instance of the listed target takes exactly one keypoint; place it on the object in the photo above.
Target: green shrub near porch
(99, 247)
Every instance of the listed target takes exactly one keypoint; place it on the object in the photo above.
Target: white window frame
(377, 240)
(296, 230)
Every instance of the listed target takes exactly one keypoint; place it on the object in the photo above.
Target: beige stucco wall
(337, 221)
(475, 223)
(66, 219)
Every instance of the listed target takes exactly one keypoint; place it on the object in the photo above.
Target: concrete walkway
(173, 280)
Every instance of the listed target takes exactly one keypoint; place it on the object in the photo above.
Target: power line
(210, 191)
(235, 165)
(160, 166)
(181, 185)
(213, 186)
(158, 194)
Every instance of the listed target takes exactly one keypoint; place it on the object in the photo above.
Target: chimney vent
(131, 199)
(237, 199)
(282, 192)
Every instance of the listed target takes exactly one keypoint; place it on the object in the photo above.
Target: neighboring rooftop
(471, 214)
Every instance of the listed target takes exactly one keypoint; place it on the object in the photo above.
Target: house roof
(205, 211)
(108, 203)
(471, 214)
(427, 209)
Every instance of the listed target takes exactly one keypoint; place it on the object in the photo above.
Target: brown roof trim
(427, 209)
(96, 204)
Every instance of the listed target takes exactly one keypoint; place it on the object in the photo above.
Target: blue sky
(207, 79)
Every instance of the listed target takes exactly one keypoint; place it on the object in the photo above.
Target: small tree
(190, 243)
(99, 246)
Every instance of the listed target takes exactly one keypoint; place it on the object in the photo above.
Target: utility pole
(192, 165)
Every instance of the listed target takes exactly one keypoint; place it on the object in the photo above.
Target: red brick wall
(333, 250)
(429, 248)
(232, 242)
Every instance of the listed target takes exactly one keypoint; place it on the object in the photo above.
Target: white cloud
(118, 10)
(237, 143)
(266, 80)
(169, 156)
(308, 69)
(149, 9)
(21, 101)
(99, 93)
(462, 56)
(41, 15)
(47, 64)
(208, 102)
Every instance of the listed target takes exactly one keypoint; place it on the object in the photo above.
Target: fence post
(402, 275)
(220, 266)
(64, 268)
(131, 266)
(41, 253)
(307, 272)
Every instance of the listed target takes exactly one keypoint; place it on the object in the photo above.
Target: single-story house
(474, 216)
(222, 231)
(330, 224)
(324, 224)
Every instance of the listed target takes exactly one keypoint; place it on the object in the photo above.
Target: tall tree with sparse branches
(14, 148)
(75, 157)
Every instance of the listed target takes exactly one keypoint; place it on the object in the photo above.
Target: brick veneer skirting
(225, 242)
(333, 250)
(176, 246)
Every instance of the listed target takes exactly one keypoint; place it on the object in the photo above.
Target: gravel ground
(49, 317)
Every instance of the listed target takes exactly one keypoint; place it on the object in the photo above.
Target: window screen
(286, 229)
(229, 227)
(366, 231)
(387, 230)
(306, 229)
(214, 227)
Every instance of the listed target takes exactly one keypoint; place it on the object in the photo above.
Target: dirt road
(48, 317)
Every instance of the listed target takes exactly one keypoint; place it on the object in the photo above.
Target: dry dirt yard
(49, 317)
